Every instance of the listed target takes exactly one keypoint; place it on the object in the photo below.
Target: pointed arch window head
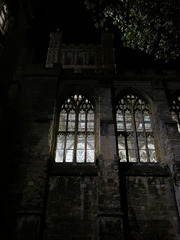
(76, 138)
(175, 110)
(134, 130)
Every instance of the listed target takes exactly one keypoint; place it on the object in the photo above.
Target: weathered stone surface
(72, 208)
(151, 208)
(109, 200)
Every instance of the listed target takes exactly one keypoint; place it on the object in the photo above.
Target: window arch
(175, 109)
(76, 135)
(134, 130)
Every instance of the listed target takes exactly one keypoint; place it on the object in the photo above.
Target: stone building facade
(105, 197)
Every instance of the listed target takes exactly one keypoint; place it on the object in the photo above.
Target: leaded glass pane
(132, 155)
(138, 120)
(142, 148)
(121, 142)
(69, 148)
(69, 156)
(175, 118)
(80, 149)
(152, 155)
(62, 121)
(128, 120)
(90, 142)
(59, 155)
(122, 155)
(90, 148)
(147, 121)
(119, 120)
(141, 142)
(122, 149)
(90, 156)
(90, 121)
(60, 148)
(71, 121)
(82, 121)
(130, 142)
(143, 156)
(60, 142)
(151, 149)
(150, 141)
(175, 110)
(131, 148)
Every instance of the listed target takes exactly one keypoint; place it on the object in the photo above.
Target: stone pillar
(30, 217)
(168, 137)
(109, 214)
(108, 58)
(37, 104)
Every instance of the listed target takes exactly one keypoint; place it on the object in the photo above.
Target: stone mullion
(135, 135)
(125, 135)
(65, 137)
(145, 135)
(75, 134)
(86, 134)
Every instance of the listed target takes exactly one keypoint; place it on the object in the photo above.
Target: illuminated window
(175, 110)
(3, 18)
(75, 138)
(134, 130)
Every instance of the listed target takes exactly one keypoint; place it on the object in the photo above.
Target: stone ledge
(72, 169)
(110, 214)
(29, 212)
(143, 169)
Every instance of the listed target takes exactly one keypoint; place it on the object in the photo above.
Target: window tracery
(75, 138)
(134, 130)
(175, 110)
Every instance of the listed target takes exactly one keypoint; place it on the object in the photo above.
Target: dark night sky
(75, 21)
(71, 17)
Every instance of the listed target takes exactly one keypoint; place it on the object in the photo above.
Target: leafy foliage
(151, 26)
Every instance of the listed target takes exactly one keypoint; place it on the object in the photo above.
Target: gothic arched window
(175, 109)
(76, 138)
(134, 130)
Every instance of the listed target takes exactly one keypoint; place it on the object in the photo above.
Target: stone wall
(71, 208)
(152, 211)
(107, 200)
